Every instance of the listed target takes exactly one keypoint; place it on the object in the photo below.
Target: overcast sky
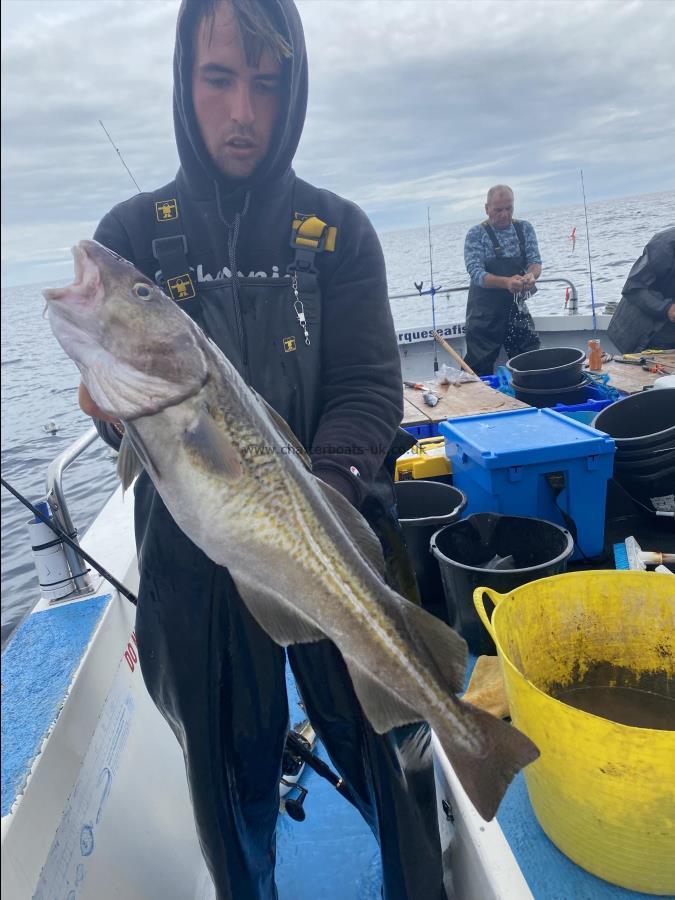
(413, 103)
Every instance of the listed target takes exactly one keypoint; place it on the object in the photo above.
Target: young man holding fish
(288, 280)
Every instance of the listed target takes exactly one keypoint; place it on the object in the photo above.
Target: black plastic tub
(423, 507)
(549, 396)
(649, 487)
(641, 421)
(654, 451)
(468, 550)
(557, 367)
(648, 463)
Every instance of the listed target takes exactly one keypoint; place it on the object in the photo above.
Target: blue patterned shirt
(478, 248)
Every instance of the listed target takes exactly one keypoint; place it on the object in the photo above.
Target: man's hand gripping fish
(238, 483)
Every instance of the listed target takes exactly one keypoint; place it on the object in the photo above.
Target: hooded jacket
(241, 230)
(641, 318)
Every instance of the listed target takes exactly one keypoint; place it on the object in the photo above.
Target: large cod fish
(239, 484)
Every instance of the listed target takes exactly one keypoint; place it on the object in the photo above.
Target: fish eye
(142, 290)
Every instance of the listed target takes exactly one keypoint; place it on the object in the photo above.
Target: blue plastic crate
(583, 412)
(426, 430)
(506, 462)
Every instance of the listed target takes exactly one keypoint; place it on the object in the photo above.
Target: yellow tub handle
(479, 603)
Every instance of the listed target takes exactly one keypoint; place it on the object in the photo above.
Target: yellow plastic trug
(604, 793)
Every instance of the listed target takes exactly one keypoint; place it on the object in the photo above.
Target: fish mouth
(85, 283)
(79, 257)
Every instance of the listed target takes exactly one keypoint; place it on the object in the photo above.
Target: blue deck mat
(38, 665)
(548, 872)
(332, 854)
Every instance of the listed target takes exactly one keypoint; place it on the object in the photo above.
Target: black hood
(198, 171)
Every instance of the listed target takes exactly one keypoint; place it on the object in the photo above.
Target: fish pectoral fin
(447, 649)
(383, 709)
(128, 463)
(209, 447)
(284, 623)
(286, 431)
(362, 534)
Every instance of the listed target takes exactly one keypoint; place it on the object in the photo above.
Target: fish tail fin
(486, 775)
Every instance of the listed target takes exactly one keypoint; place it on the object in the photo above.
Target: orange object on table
(594, 356)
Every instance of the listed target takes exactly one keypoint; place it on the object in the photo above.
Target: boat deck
(467, 399)
(475, 398)
(333, 854)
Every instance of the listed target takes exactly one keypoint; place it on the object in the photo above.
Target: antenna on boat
(433, 289)
(116, 149)
(588, 245)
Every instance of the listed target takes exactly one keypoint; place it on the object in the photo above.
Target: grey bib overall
(493, 318)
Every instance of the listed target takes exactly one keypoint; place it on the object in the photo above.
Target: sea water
(39, 383)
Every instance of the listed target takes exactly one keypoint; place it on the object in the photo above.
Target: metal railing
(572, 303)
(57, 503)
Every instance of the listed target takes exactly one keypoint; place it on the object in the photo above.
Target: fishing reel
(294, 806)
(291, 767)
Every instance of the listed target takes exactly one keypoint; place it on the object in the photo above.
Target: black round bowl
(555, 367)
(641, 421)
(549, 396)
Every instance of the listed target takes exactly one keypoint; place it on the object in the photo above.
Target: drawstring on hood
(198, 172)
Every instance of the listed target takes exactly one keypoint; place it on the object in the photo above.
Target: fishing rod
(317, 764)
(71, 543)
(297, 746)
(433, 289)
(116, 149)
(588, 245)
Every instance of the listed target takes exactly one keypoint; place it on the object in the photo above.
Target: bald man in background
(502, 258)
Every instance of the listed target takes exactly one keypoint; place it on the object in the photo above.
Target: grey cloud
(411, 103)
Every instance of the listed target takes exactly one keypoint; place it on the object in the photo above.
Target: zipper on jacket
(232, 237)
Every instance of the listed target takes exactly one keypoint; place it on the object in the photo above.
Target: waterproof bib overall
(217, 677)
(493, 316)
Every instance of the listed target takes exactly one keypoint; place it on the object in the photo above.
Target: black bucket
(647, 487)
(549, 396)
(557, 367)
(423, 507)
(648, 464)
(641, 421)
(495, 551)
(643, 429)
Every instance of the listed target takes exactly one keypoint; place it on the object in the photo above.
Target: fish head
(136, 350)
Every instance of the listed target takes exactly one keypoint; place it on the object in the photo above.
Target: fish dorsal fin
(286, 431)
(284, 623)
(128, 463)
(447, 649)
(362, 534)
